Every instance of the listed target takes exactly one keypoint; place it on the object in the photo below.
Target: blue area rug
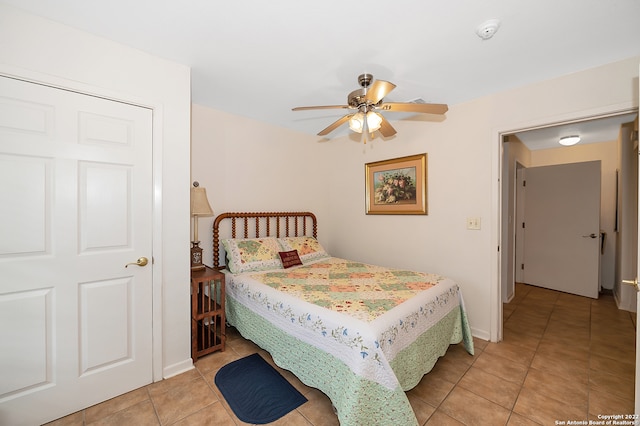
(255, 391)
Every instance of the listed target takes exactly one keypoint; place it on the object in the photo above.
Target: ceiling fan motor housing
(365, 80)
(356, 98)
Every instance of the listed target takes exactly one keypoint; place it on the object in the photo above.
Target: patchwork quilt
(362, 334)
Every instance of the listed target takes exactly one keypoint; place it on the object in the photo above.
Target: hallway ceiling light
(569, 140)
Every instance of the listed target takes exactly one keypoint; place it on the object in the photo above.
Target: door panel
(105, 198)
(30, 191)
(105, 336)
(562, 227)
(29, 342)
(75, 208)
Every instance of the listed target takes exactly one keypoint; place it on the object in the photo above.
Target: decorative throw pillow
(290, 258)
(252, 254)
(308, 247)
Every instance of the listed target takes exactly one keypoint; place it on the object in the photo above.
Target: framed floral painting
(397, 186)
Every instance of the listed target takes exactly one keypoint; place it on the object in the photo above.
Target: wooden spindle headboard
(263, 224)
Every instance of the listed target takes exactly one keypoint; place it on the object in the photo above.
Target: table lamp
(199, 207)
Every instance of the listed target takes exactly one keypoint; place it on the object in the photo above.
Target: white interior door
(519, 257)
(562, 227)
(75, 207)
(637, 389)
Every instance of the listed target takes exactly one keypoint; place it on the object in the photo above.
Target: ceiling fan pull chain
(365, 126)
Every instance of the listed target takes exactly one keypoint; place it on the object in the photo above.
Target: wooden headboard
(264, 224)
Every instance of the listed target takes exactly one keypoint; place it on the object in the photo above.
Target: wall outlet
(473, 223)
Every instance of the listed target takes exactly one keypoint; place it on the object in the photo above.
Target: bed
(360, 333)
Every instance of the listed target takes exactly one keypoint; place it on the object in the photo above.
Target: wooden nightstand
(207, 312)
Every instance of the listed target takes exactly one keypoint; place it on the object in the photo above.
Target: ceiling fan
(366, 102)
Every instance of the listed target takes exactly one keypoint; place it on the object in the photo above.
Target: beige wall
(515, 154)
(246, 165)
(627, 242)
(464, 169)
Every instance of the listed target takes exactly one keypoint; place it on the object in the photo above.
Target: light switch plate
(473, 223)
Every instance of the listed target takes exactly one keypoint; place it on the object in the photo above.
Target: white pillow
(252, 254)
(308, 247)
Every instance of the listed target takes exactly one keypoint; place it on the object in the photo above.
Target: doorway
(561, 227)
(520, 151)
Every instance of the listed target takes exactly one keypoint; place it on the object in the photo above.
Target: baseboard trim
(178, 368)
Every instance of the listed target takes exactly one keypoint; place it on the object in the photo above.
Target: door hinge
(524, 183)
(522, 225)
(522, 266)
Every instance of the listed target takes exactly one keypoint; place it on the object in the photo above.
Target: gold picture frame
(397, 186)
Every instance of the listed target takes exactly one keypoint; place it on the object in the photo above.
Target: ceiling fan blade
(378, 90)
(411, 107)
(386, 129)
(335, 125)
(320, 107)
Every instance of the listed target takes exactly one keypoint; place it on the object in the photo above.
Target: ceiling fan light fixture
(364, 102)
(356, 122)
(569, 140)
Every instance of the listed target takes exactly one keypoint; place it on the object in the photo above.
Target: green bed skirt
(358, 401)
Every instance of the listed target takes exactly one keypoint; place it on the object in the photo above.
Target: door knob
(590, 236)
(633, 283)
(142, 261)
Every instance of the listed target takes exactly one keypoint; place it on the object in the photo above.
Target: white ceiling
(261, 58)
(590, 131)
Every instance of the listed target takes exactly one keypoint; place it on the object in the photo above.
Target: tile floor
(563, 357)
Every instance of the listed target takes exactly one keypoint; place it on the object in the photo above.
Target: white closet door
(75, 207)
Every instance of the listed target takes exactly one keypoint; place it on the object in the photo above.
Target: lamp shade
(374, 120)
(199, 202)
(356, 122)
